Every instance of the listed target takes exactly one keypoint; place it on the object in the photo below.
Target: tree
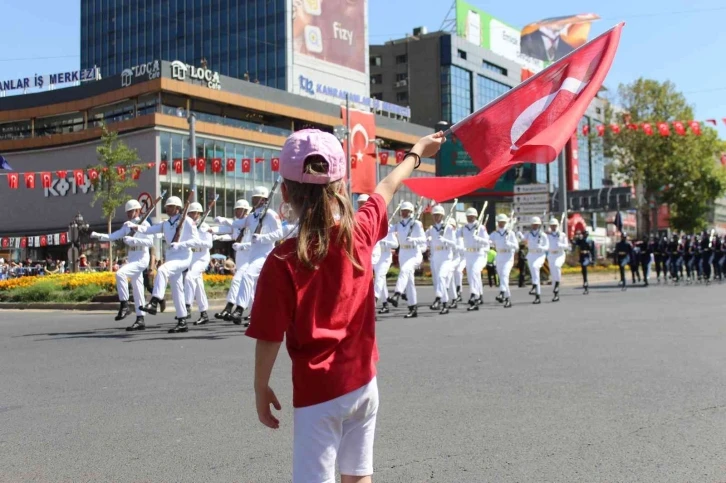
(117, 163)
(680, 171)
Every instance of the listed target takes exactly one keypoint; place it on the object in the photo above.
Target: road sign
(538, 198)
(535, 209)
(145, 200)
(526, 189)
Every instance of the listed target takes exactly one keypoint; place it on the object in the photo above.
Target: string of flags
(46, 177)
(663, 128)
(52, 239)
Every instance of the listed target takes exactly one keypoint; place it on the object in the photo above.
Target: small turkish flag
(615, 128)
(62, 174)
(679, 128)
(193, 163)
(246, 165)
(79, 177)
(216, 165)
(230, 164)
(353, 162)
(585, 130)
(275, 164)
(647, 129)
(201, 165)
(383, 156)
(150, 165)
(23, 242)
(6, 242)
(178, 166)
(135, 172)
(259, 160)
(64, 238)
(43, 240)
(712, 121)
(163, 167)
(93, 175)
(29, 180)
(723, 160)
(695, 127)
(632, 126)
(530, 123)
(121, 172)
(13, 181)
(46, 178)
(400, 155)
(663, 129)
(600, 130)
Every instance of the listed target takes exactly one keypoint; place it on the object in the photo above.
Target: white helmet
(173, 201)
(406, 206)
(195, 208)
(471, 212)
(260, 192)
(536, 220)
(363, 198)
(502, 217)
(554, 222)
(242, 204)
(133, 205)
(438, 210)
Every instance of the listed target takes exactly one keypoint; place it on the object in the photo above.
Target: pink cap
(309, 142)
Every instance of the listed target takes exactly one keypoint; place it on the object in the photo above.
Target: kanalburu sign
(40, 81)
(183, 72)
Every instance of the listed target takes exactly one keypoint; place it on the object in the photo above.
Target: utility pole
(193, 147)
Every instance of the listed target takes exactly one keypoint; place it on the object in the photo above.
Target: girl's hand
(428, 146)
(264, 399)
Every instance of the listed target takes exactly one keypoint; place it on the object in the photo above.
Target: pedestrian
(331, 338)
(586, 249)
(558, 248)
(138, 245)
(442, 240)
(412, 238)
(506, 244)
(537, 246)
(476, 247)
(194, 281)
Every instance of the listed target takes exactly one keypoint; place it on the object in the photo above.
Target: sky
(677, 40)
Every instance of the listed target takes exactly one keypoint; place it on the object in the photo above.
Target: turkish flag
(178, 168)
(712, 121)
(679, 128)
(600, 130)
(46, 178)
(62, 174)
(353, 162)
(230, 164)
(43, 240)
(216, 165)
(246, 165)
(6, 242)
(383, 156)
(93, 175)
(121, 172)
(695, 127)
(632, 126)
(64, 238)
(13, 181)
(29, 180)
(23, 242)
(275, 164)
(150, 165)
(201, 165)
(163, 167)
(192, 163)
(135, 172)
(362, 132)
(259, 160)
(723, 160)
(79, 177)
(529, 124)
(647, 129)
(663, 129)
(400, 154)
(585, 130)
(615, 128)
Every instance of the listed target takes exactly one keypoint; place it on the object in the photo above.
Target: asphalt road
(613, 386)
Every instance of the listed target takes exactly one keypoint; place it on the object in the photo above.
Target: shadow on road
(151, 333)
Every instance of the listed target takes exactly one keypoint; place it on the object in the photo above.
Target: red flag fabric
(192, 163)
(679, 128)
(615, 128)
(178, 168)
(201, 165)
(43, 240)
(259, 160)
(246, 165)
(275, 164)
(150, 165)
(46, 178)
(6, 242)
(163, 167)
(723, 160)
(23, 242)
(600, 129)
(63, 238)
(13, 181)
(529, 124)
(724, 120)
(62, 174)
(383, 156)
(230, 164)
(136, 172)
(79, 177)
(121, 172)
(362, 132)
(353, 162)
(585, 130)
(399, 156)
(29, 180)
(647, 129)
(712, 121)
(92, 175)
(695, 127)
(633, 126)
(217, 165)
(664, 129)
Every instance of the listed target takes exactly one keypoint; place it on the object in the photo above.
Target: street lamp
(76, 228)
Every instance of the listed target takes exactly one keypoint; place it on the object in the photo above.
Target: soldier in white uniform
(476, 247)
(138, 260)
(178, 258)
(559, 246)
(381, 265)
(226, 232)
(412, 239)
(459, 262)
(194, 281)
(442, 243)
(506, 244)
(537, 246)
(259, 246)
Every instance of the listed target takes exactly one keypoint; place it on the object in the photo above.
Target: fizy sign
(41, 81)
(307, 86)
(152, 70)
(179, 71)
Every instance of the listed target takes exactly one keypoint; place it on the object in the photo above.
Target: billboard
(553, 38)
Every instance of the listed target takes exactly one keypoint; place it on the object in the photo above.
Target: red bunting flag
(178, 168)
(679, 128)
(724, 120)
(695, 127)
(23, 242)
(192, 163)
(163, 167)
(615, 128)
(62, 174)
(46, 179)
(600, 130)
(150, 165)
(201, 165)
(29, 180)
(275, 164)
(400, 155)
(259, 160)
(216, 165)
(43, 240)
(121, 172)
(647, 129)
(712, 121)
(79, 177)
(93, 175)
(13, 181)
(64, 238)
(136, 172)
(531, 123)
(383, 156)
(633, 126)
(230, 164)
(723, 160)
(6, 242)
(246, 165)
(585, 130)
(664, 129)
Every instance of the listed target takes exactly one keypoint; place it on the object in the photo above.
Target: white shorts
(340, 430)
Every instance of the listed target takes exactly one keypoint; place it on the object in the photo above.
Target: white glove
(216, 237)
(95, 235)
(241, 246)
(129, 240)
(219, 219)
(255, 238)
(177, 245)
(131, 224)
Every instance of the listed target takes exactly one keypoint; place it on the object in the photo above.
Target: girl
(317, 290)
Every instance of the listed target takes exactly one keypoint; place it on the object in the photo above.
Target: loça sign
(181, 71)
(150, 70)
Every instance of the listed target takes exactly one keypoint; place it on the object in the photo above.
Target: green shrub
(39, 292)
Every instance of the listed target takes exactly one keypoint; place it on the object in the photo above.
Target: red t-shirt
(328, 314)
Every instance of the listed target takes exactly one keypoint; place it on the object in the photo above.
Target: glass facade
(597, 158)
(583, 156)
(456, 95)
(591, 156)
(488, 90)
(234, 36)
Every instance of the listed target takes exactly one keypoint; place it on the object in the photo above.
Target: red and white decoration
(52, 239)
(665, 128)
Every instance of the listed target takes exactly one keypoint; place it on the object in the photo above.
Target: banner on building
(551, 39)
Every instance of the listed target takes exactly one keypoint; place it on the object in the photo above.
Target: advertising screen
(553, 38)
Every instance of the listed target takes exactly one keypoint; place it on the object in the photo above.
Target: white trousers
(460, 264)
(406, 276)
(240, 260)
(380, 270)
(194, 283)
(505, 262)
(171, 272)
(535, 265)
(248, 284)
(556, 263)
(133, 271)
(442, 273)
(475, 263)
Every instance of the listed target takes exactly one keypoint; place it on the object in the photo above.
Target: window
(375, 61)
(462, 54)
(494, 68)
(402, 96)
(456, 94)
(401, 59)
(401, 77)
(377, 79)
(488, 90)
(377, 95)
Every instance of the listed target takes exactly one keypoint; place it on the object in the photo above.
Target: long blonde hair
(317, 206)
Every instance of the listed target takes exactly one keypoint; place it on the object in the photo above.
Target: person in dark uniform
(698, 269)
(586, 247)
(706, 255)
(688, 259)
(635, 260)
(660, 259)
(647, 247)
(717, 254)
(522, 265)
(623, 254)
(674, 257)
(722, 260)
